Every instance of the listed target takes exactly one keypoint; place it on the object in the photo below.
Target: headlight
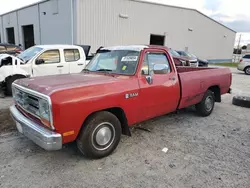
(44, 111)
(13, 92)
(183, 62)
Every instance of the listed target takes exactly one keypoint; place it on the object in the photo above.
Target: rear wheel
(247, 70)
(206, 106)
(9, 82)
(100, 135)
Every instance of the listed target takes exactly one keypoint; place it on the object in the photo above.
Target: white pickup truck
(40, 60)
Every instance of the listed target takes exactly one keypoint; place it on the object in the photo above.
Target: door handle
(80, 64)
(60, 66)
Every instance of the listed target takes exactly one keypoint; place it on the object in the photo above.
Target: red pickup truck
(120, 87)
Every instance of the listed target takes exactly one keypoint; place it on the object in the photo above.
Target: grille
(27, 102)
(193, 63)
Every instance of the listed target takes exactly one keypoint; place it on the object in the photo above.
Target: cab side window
(71, 55)
(50, 57)
(247, 56)
(153, 58)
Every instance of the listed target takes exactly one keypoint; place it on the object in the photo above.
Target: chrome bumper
(45, 138)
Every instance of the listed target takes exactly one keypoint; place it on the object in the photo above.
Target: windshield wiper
(86, 70)
(104, 70)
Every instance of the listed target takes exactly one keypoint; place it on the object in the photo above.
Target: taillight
(241, 60)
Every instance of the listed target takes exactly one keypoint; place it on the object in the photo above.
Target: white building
(117, 22)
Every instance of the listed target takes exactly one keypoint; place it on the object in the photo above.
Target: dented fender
(12, 69)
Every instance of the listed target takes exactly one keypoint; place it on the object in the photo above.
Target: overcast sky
(232, 13)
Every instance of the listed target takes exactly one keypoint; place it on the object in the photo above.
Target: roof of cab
(135, 47)
(127, 47)
(53, 46)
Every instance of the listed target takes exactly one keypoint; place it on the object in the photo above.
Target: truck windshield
(29, 53)
(187, 54)
(115, 62)
(174, 53)
(191, 55)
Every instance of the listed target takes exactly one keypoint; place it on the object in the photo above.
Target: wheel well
(15, 75)
(216, 91)
(120, 114)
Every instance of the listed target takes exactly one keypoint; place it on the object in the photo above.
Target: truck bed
(194, 82)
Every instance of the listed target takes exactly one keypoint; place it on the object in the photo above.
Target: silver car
(244, 64)
(193, 60)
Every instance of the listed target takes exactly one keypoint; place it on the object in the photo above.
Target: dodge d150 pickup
(120, 87)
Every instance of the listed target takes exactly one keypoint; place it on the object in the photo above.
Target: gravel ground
(6, 122)
(202, 152)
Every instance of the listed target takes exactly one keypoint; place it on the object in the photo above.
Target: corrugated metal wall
(102, 23)
(10, 20)
(51, 21)
(99, 23)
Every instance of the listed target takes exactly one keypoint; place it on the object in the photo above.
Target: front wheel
(206, 106)
(100, 135)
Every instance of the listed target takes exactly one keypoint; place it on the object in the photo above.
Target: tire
(9, 82)
(247, 70)
(206, 106)
(241, 101)
(100, 123)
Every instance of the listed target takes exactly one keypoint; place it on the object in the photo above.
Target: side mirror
(39, 61)
(161, 69)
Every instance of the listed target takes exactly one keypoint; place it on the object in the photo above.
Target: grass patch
(226, 64)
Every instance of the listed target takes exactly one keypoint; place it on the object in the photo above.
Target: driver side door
(159, 93)
(51, 63)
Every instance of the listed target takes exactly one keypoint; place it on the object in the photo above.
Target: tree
(237, 51)
(244, 47)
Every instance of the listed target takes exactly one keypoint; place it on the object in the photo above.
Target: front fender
(8, 70)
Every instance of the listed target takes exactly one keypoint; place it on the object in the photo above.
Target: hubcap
(103, 136)
(248, 70)
(209, 103)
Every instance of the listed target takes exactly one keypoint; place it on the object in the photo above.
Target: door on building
(157, 40)
(10, 35)
(28, 36)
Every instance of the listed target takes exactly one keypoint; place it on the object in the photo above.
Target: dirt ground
(202, 152)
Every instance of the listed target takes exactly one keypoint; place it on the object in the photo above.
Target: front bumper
(43, 137)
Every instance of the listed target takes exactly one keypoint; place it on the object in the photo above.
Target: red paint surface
(74, 97)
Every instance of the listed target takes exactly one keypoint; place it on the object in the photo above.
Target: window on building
(157, 40)
(10, 35)
(71, 55)
(50, 56)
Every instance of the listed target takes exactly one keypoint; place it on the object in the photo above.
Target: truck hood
(50, 84)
